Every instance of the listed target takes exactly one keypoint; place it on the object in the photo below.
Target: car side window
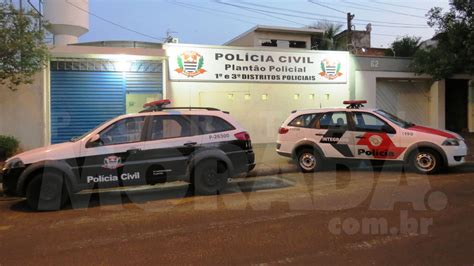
(169, 126)
(303, 121)
(332, 120)
(124, 131)
(211, 124)
(368, 122)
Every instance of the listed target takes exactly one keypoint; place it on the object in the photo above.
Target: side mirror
(95, 141)
(388, 129)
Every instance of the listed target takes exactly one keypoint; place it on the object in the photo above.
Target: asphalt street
(384, 216)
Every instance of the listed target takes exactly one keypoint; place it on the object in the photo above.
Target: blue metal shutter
(144, 82)
(81, 101)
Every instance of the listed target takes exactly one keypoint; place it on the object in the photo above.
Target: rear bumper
(251, 160)
(284, 154)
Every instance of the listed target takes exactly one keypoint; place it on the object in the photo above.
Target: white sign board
(189, 63)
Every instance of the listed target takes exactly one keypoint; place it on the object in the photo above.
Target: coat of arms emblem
(112, 162)
(331, 69)
(190, 64)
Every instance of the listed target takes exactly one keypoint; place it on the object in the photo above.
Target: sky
(215, 22)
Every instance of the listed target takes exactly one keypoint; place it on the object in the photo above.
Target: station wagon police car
(311, 136)
(204, 146)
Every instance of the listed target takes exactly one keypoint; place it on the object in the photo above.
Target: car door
(171, 139)
(336, 140)
(115, 158)
(375, 138)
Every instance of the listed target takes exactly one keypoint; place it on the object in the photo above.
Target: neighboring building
(281, 37)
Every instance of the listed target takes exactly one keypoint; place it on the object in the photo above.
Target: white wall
(22, 113)
(366, 89)
(260, 117)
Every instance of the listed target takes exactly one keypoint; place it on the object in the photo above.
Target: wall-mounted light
(230, 96)
(327, 96)
(247, 97)
(264, 97)
(122, 65)
(296, 96)
(312, 96)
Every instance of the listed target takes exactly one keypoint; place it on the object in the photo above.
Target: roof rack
(355, 104)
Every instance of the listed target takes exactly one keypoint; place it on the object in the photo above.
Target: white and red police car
(204, 146)
(311, 136)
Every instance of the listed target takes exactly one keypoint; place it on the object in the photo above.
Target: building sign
(189, 63)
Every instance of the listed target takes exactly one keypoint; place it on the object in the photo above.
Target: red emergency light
(158, 104)
(355, 104)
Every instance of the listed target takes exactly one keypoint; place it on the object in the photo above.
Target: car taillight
(283, 130)
(242, 136)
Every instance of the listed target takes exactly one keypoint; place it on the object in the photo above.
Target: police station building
(259, 77)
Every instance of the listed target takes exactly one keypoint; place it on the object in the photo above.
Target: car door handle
(319, 134)
(133, 151)
(360, 137)
(189, 144)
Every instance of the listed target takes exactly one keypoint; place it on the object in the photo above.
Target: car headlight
(14, 163)
(451, 142)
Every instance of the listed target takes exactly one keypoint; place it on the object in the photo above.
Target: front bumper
(10, 180)
(456, 155)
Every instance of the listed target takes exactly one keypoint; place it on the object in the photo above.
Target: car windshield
(392, 118)
(75, 139)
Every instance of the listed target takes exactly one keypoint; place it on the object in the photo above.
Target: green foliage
(22, 51)
(9, 145)
(404, 47)
(453, 48)
(328, 41)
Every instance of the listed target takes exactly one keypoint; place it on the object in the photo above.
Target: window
(303, 121)
(272, 43)
(211, 124)
(297, 44)
(368, 122)
(333, 120)
(124, 131)
(170, 126)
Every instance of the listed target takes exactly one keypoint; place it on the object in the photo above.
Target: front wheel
(309, 161)
(426, 161)
(210, 177)
(46, 192)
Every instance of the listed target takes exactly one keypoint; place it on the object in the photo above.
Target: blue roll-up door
(82, 100)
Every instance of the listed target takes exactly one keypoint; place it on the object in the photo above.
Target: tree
(328, 41)
(452, 49)
(404, 47)
(23, 51)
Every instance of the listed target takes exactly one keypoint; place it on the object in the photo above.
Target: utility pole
(350, 17)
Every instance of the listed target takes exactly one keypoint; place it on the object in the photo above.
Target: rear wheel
(309, 161)
(46, 192)
(210, 177)
(426, 161)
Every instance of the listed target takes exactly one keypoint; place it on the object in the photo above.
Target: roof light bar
(355, 104)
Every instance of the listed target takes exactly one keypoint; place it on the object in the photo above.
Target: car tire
(210, 177)
(46, 192)
(309, 161)
(425, 161)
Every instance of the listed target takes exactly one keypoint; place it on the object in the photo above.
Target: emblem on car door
(112, 162)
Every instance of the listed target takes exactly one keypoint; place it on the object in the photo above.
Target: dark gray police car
(203, 146)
